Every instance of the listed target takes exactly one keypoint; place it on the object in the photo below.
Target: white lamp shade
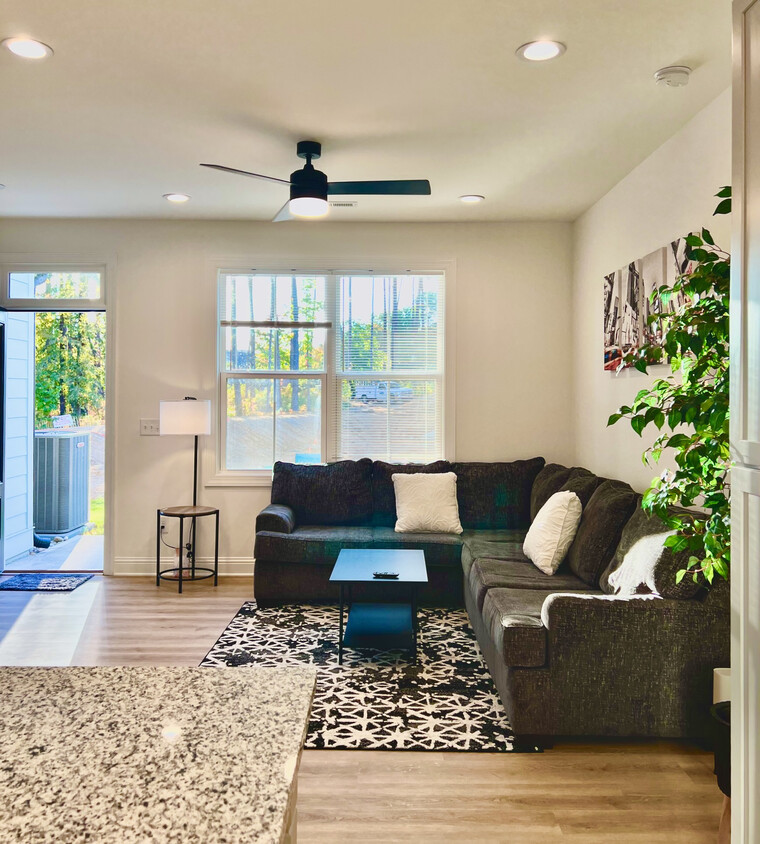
(184, 417)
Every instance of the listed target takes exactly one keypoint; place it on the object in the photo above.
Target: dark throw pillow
(496, 495)
(552, 478)
(337, 494)
(582, 485)
(602, 523)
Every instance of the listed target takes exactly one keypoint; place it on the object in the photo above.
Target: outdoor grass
(97, 516)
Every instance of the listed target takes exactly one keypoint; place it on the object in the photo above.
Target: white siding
(19, 434)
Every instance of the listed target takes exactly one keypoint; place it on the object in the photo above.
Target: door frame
(107, 304)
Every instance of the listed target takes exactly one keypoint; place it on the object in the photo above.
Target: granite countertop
(161, 754)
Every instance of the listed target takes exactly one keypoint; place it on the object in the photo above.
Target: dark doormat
(378, 700)
(40, 582)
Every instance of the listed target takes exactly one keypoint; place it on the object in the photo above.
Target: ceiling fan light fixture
(540, 51)
(27, 48)
(309, 207)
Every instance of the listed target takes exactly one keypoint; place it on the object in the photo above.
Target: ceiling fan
(309, 187)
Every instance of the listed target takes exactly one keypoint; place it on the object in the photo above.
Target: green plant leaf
(724, 207)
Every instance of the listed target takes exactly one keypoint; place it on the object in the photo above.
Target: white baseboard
(142, 566)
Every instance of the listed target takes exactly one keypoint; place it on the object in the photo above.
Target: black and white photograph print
(677, 265)
(652, 271)
(630, 309)
(612, 321)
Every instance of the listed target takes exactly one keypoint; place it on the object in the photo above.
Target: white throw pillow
(552, 532)
(426, 503)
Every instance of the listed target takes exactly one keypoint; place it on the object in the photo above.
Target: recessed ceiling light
(471, 198)
(27, 48)
(176, 197)
(540, 51)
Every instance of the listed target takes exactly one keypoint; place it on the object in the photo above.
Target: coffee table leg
(340, 632)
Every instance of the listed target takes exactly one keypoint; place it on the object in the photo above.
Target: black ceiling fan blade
(408, 187)
(246, 173)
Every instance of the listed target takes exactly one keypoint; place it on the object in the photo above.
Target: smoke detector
(675, 76)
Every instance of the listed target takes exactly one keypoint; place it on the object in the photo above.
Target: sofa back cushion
(642, 565)
(496, 495)
(582, 483)
(552, 478)
(602, 523)
(337, 494)
(383, 493)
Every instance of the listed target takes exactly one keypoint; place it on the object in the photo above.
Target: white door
(745, 427)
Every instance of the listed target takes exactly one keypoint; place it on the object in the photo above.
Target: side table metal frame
(193, 513)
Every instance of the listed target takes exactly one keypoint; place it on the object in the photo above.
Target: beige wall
(666, 196)
(513, 370)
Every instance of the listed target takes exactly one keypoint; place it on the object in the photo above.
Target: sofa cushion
(516, 574)
(642, 565)
(383, 492)
(552, 478)
(317, 544)
(442, 550)
(582, 484)
(491, 544)
(496, 495)
(337, 494)
(604, 517)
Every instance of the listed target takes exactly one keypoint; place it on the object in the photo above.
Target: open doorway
(54, 441)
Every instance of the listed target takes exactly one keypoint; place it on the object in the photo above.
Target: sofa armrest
(276, 517)
(636, 666)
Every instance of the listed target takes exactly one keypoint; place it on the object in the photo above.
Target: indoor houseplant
(690, 406)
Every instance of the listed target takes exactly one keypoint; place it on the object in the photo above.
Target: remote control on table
(385, 575)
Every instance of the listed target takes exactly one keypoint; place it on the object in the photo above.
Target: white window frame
(8, 303)
(215, 456)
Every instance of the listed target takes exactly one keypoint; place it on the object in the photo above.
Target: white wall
(513, 371)
(668, 195)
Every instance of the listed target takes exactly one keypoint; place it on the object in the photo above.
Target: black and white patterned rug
(378, 700)
(38, 582)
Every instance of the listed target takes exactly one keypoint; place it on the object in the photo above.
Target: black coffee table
(373, 625)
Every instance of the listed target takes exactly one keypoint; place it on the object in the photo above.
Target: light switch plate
(149, 428)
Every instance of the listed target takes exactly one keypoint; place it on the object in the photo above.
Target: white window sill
(240, 480)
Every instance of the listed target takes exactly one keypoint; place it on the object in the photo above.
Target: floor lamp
(189, 417)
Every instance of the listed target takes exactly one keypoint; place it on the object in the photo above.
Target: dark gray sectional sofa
(609, 645)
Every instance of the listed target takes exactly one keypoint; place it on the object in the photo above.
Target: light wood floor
(580, 792)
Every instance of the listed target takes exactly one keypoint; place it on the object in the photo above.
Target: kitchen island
(160, 754)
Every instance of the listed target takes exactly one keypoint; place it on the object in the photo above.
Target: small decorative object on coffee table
(189, 572)
(373, 625)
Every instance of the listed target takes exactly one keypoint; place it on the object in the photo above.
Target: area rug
(36, 582)
(378, 700)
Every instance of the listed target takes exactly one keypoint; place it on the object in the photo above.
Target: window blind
(389, 346)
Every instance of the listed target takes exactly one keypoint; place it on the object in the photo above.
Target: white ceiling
(140, 91)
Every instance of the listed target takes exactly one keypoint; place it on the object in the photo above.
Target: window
(38, 287)
(54, 285)
(322, 367)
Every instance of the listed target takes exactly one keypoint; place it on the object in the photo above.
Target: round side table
(192, 512)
